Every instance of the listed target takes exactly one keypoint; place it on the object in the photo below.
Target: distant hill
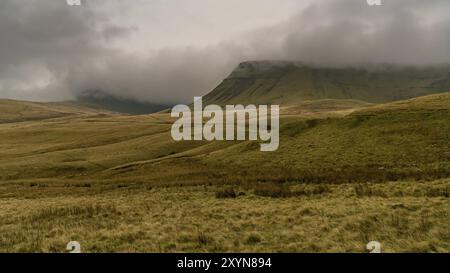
(87, 104)
(17, 111)
(102, 100)
(291, 83)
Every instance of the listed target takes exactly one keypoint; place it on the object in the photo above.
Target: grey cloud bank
(51, 51)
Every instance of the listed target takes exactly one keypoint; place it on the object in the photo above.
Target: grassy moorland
(342, 177)
(103, 217)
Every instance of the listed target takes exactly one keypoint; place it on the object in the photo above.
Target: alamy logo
(74, 2)
(374, 2)
(235, 118)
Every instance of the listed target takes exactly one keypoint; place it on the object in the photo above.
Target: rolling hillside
(400, 140)
(404, 139)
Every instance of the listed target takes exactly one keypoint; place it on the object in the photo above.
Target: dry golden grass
(402, 216)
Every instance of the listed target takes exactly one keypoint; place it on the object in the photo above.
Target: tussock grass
(402, 215)
(278, 190)
(227, 193)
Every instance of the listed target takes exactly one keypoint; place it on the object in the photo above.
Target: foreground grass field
(408, 216)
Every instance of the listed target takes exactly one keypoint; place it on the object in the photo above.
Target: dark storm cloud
(41, 40)
(169, 76)
(49, 50)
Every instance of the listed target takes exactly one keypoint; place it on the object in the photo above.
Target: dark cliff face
(292, 82)
(269, 69)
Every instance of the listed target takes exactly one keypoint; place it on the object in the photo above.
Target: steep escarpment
(290, 83)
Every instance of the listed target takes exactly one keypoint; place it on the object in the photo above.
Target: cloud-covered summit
(168, 51)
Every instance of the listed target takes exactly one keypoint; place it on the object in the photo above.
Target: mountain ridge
(288, 83)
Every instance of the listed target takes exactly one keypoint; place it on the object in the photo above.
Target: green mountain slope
(287, 83)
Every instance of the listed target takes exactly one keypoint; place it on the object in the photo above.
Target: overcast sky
(171, 50)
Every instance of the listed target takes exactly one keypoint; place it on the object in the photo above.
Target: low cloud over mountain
(169, 51)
